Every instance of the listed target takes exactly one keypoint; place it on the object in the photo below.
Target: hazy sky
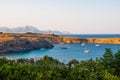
(75, 16)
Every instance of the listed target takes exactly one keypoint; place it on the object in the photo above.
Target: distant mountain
(29, 29)
(19, 29)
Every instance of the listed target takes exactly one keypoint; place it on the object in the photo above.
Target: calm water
(74, 51)
(93, 35)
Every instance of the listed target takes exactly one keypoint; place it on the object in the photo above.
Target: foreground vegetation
(47, 68)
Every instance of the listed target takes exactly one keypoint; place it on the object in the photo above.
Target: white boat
(83, 44)
(87, 51)
(62, 46)
(97, 45)
(42, 49)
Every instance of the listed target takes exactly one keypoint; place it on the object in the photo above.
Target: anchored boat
(97, 45)
(87, 51)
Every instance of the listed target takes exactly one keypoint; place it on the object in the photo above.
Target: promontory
(18, 42)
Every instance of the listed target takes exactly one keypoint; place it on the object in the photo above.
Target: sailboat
(97, 45)
(83, 44)
(63, 47)
(87, 50)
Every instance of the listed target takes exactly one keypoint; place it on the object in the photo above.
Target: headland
(17, 42)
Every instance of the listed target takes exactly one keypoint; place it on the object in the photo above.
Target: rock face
(20, 45)
(51, 38)
(66, 40)
(104, 40)
(48, 37)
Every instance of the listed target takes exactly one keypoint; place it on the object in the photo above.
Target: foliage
(117, 63)
(48, 68)
(108, 60)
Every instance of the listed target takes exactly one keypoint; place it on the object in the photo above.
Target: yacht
(62, 46)
(97, 45)
(42, 49)
(83, 44)
(87, 51)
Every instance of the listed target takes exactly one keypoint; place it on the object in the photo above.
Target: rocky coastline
(16, 42)
(104, 40)
(21, 45)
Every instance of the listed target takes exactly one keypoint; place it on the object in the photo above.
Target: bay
(73, 51)
(92, 35)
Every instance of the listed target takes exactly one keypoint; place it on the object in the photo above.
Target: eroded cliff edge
(30, 41)
(21, 45)
(104, 40)
(51, 38)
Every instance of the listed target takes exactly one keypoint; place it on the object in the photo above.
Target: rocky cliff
(20, 45)
(51, 38)
(104, 40)
(48, 37)
(66, 40)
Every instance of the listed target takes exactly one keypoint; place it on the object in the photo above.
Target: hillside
(29, 29)
(21, 44)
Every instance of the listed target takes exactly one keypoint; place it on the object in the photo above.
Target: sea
(73, 51)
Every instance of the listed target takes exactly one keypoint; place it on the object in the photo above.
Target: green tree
(108, 60)
(117, 63)
(73, 62)
(108, 76)
(48, 68)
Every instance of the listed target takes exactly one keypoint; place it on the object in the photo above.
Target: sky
(74, 16)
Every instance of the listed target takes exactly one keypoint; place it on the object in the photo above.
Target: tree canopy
(48, 68)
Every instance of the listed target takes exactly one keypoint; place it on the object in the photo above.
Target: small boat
(87, 51)
(97, 45)
(63, 47)
(83, 44)
(42, 49)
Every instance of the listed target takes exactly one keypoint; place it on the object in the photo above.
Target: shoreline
(104, 40)
(52, 38)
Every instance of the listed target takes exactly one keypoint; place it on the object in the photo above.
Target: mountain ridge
(32, 29)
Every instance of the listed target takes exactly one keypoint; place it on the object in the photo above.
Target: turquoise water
(73, 51)
(92, 35)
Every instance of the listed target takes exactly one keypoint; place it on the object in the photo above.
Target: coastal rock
(66, 40)
(104, 40)
(20, 45)
(52, 38)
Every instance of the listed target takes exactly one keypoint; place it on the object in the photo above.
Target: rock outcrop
(66, 40)
(48, 37)
(104, 40)
(20, 45)
(51, 38)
